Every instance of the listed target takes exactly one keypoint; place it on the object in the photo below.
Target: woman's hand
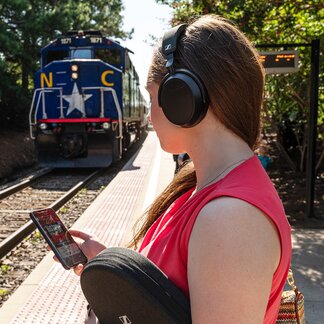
(89, 245)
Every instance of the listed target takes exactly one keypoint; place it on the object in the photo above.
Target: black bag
(123, 286)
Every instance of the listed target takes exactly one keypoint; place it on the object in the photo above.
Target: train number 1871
(96, 40)
(66, 40)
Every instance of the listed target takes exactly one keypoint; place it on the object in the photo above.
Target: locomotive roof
(82, 38)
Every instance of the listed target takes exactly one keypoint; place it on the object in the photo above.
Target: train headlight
(106, 126)
(74, 68)
(43, 126)
(74, 75)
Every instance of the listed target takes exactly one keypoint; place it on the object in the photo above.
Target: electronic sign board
(279, 61)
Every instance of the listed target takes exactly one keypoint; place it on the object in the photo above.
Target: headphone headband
(169, 43)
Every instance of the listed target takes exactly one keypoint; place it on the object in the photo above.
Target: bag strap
(291, 280)
(291, 283)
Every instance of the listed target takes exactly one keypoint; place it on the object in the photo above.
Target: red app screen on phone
(58, 237)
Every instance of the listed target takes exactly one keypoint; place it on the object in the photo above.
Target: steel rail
(26, 183)
(15, 238)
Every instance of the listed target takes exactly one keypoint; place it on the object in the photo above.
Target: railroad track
(11, 189)
(50, 188)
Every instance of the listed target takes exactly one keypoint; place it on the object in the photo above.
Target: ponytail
(183, 181)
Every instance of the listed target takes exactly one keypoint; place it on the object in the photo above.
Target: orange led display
(279, 62)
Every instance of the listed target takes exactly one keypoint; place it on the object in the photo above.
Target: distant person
(180, 160)
(218, 231)
(263, 155)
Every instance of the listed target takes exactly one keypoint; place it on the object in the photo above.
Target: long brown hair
(228, 65)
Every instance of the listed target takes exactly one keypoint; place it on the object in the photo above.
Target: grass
(4, 292)
(5, 268)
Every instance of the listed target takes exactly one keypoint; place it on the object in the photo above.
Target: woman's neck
(217, 155)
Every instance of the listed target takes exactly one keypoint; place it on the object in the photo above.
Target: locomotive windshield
(55, 56)
(73, 49)
(81, 53)
(109, 55)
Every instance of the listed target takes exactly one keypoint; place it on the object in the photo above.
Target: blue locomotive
(87, 106)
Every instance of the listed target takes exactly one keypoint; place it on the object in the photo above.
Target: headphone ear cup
(182, 98)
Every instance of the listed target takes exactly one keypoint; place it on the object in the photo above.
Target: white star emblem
(76, 100)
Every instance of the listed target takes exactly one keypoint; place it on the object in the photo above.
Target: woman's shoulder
(245, 191)
(239, 228)
(234, 224)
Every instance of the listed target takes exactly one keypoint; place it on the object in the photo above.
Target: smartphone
(59, 239)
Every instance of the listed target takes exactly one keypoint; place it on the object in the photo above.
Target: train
(87, 107)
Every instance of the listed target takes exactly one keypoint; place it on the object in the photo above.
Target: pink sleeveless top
(166, 242)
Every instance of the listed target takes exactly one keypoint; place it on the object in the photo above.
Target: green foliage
(26, 26)
(275, 22)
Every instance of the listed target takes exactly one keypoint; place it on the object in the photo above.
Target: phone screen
(58, 237)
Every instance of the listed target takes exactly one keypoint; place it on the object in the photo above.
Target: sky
(147, 18)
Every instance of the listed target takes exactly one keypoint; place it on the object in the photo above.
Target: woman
(219, 230)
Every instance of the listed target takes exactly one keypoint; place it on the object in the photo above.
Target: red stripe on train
(76, 120)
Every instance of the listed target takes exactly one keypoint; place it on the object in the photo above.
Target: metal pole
(61, 103)
(312, 130)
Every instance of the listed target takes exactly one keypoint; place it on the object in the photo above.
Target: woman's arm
(234, 249)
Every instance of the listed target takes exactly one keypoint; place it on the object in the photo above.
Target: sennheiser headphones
(182, 96)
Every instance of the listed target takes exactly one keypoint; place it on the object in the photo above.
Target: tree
(287, 96)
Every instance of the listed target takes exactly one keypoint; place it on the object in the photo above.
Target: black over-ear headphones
(182, 95)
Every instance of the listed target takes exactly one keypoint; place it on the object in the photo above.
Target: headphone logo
(124, 319)
(167, 47)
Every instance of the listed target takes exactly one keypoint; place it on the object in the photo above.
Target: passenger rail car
(87, 106)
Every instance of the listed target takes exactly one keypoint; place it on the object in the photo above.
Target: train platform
(53, 295)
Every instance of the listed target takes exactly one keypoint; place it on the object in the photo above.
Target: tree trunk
(24, 76)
